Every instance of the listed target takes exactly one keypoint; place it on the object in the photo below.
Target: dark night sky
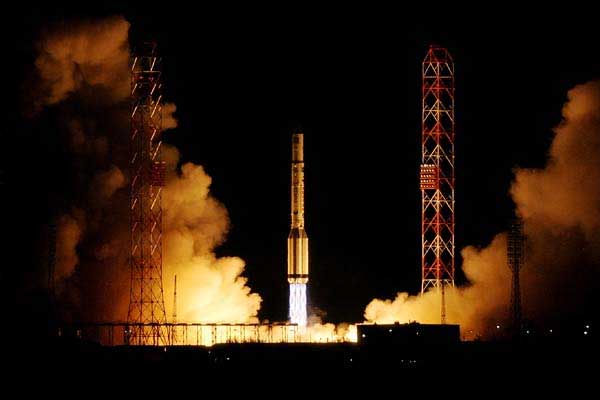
(242, 78)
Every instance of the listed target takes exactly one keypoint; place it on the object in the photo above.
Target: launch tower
(437, 173)
(146, 305)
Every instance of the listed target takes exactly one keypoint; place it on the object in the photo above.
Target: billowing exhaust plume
(82, 80)
(560, 206)
(68, 235)
(211, 289)
(83, 53)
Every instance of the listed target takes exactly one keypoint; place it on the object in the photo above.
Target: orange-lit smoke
(68, 233)
(317, 332)
(471, 306)
(82, 75)
(560, 206)
(210, 289)
(84, 53)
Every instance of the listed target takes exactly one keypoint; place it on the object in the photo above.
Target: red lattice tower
(146, 304)
(437, 173)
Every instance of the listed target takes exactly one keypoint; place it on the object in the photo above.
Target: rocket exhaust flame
(298, 304)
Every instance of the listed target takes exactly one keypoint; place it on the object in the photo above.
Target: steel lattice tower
(146, 304)
(437, 173)
(516, 257)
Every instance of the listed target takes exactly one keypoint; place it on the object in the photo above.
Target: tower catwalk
(297, 239)
(146, 304)
(437, 173)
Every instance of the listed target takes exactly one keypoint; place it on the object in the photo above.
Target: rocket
(297, 239)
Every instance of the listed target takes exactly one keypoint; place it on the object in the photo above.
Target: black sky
(242, 78)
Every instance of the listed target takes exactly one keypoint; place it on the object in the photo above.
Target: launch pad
(193, 334)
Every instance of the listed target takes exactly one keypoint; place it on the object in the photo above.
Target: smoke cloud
(68, 234)
(560, 206)
(568, 183)
(105, 184)
(168, 119)
(82, 78)
(84, 53)
(320, 332)
(210, 289)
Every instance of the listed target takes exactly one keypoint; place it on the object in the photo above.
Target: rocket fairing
(297, 239)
